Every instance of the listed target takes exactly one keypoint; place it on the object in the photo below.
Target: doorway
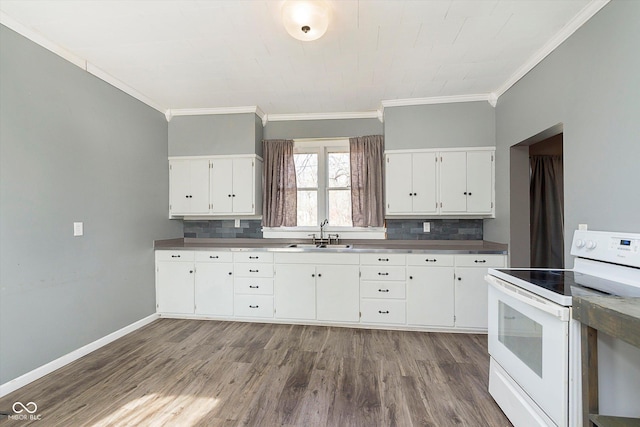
(537, 201)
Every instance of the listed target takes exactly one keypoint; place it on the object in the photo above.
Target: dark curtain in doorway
(547, 212)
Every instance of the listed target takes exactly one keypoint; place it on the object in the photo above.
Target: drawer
(383, 311)
(480, 260)
(259, 257)
(253, 306)
(392, 290)
(382, 273)
(253, 270)
(257, 286)
(206, 256)
(167, 255)
(382, 259)
(430, 260)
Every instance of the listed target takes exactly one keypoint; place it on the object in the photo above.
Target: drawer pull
(383, 290)
(230, 273)
(190, 271)
(254, 286)
(175, 256)
(253, 306)
(411, 277)
(431, 260)
(481, 261)
(254, 257)
(383, 274)
(253, 271)
(383, 312)
(383, 259)
(214, 256)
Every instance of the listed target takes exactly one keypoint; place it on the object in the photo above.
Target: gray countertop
(280, 245)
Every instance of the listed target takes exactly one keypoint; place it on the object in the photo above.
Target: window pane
(307, 208)
(339, 172)
(306, 170)
(340, 208)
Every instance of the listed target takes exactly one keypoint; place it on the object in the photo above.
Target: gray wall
(322, 128)
(213, 134)
(589, 84)
(467, 124)
(73, 148)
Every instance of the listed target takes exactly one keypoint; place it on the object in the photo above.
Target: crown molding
(435, 100)
(82, 63)
(172, 112)
(324, 116)
(571, 27)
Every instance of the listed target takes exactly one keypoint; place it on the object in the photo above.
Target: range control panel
(619, 248)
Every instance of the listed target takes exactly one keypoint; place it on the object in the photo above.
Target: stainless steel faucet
(325, 222)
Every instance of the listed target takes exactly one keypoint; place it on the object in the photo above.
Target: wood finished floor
(209, 373)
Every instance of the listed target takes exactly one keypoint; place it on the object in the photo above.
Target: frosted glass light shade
(305, 20)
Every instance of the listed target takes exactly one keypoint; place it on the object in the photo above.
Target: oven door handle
(555, 310)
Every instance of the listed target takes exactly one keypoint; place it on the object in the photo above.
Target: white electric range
(534, 343)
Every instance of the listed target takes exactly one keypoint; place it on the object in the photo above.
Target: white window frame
(322, 147)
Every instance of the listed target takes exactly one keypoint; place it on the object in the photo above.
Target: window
(324, 183)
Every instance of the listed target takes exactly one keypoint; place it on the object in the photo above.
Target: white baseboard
(58, 363)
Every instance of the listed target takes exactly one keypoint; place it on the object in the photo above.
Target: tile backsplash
(224, 229)
(441, 229)
(397, 229)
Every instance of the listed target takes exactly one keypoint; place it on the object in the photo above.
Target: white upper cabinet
(215, 186)
(411, 183)
(447, 182)
(466, 182)
(189, 186)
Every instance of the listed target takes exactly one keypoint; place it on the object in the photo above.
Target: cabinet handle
(415, 194)
(253, 306)
(465, 193)
(431, 260)
(190, 271)
(253, 257)
(253, 271)
(175, 256)
(230, 273)
(411, 277)
(383, 274)
(410, 194)
(313, 275)
(459, 278)
(383, 290)
(233, 195)
(254, 286)
(319, 274)
(481, 261)
(383, 259)
(469, 193)
(214, 257)
(383, 312)
(228, 195)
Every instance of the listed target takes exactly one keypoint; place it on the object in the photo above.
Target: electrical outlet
(426, 227)
(237, 223)
(78, 229)
(582, 227)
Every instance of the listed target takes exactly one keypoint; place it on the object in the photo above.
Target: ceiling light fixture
(305, 20)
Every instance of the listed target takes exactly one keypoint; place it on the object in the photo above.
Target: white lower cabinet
(471, 292)
(175, 272)
(415, 290)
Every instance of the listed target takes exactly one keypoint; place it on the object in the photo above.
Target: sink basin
(318, 246)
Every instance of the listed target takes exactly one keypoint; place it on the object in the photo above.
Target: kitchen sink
(318, 246)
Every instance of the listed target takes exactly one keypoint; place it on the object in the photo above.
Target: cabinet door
(179, 186)
(479, 181)
(398, 184)
(424, 183)
(295, 291)
(189, 186)
(430, 296)
(338, 293)
(221, 186)
(174, 287)
(214, 289)
(453, 182)
(471, 298)
(243, 181)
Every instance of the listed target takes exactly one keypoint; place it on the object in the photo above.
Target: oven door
(528, 338)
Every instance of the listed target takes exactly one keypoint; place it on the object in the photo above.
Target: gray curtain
(367, 160)
(279, 203)
(547, 212)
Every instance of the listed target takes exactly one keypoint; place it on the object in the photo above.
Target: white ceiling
(192, 54)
